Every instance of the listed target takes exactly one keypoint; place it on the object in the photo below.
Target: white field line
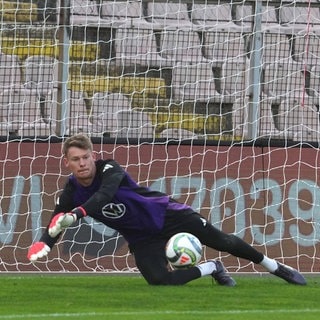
(143, 313)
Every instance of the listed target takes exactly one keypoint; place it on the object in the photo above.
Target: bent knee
(158, 279)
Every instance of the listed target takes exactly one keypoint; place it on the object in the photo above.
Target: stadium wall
(269, 196)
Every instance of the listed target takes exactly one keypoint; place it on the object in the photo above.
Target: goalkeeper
(102, 190)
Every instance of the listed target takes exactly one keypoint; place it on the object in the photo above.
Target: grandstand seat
(181, 46)
(167, 14)
(132, 124)
(79, 113)
(299, 120)
(239, 124)
(83, 12)
(41, 74)
(194, 82)
(137, 46)
(306, 48)
(267, 127)
(217, 16)
(122, 13)
(314, 84)
(284, 80)
(244, 16)
(36, 129)
(219, 46)
(20, 108)
(276, 47)
(177, 134)
(104, 108)
(299, 17)
(240, 121)
(10, 71)
(234, 79)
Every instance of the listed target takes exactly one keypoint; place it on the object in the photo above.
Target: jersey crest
(114, 210)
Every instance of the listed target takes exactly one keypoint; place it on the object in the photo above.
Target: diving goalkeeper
(102, 190)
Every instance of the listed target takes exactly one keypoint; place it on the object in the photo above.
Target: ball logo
(114, 210)
(184, 259)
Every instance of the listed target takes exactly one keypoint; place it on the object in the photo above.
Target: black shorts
(175, 222)
(150, 254)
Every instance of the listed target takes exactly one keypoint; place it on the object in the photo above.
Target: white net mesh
(214, 102)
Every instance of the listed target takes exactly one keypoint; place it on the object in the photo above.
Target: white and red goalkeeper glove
(37, 251)
(60, 222)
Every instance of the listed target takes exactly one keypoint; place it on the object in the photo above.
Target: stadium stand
(314, 84)
(10, 71)
(194, 82)
(25, 47)
(204, 125)
(243, 15)
(297, 17)
(163, 53)
(135, 46)
(20, 109)
(18, 11)
(41, 75)
(284, 80)
(307, 48)
(299, 119)
(104, 107)
(166, 15)
(83, 12)
(181, 46)
(218, 50)
(123, 14)
(234, 79)
(276, 47)
(213, 16)
(267, 127)
(177, 134)
(134, 85)
(132, 124)
(80, 109)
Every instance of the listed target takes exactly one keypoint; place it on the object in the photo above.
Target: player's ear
(65, 161)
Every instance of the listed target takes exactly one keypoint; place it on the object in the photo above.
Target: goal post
(213, 102)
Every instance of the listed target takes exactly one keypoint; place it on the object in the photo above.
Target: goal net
(213, 102)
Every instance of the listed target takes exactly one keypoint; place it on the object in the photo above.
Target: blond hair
(80, 141)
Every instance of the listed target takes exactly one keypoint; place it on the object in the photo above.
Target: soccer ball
(183, 250)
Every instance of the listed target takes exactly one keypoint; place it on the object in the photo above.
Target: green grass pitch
(130, 298)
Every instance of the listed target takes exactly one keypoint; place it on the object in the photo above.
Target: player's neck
(85, 182)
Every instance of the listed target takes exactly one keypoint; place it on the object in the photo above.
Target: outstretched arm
(42, 247)
(64, 215)
(58, 223)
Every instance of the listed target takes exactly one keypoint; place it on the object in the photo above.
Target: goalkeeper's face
(81, 163)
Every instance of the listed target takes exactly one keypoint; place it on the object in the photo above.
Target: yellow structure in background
(198, 123)
(25, 47)
(18, 11)
(151, 87)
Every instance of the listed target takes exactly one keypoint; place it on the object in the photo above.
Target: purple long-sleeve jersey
(117, 201)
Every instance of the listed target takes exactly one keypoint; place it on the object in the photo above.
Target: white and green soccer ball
(183, 250)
